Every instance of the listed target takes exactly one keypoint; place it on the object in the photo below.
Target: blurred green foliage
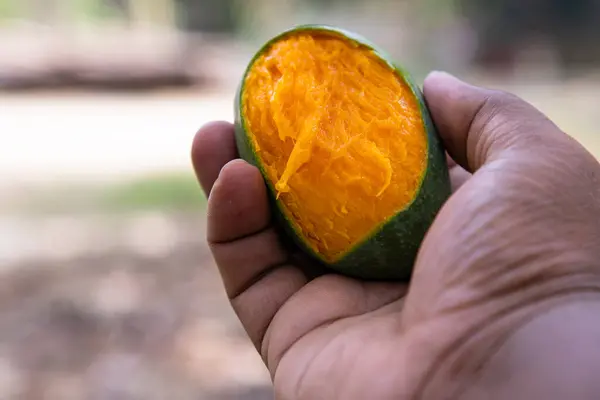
(166, 192)
(100, 10)
(9, 9)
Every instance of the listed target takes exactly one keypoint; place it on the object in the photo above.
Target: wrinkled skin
(504, 302)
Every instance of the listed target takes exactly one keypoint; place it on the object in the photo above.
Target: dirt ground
(135, 310)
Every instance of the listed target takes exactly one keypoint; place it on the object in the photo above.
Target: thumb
(478, 125)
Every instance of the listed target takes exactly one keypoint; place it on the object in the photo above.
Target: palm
(351, 351)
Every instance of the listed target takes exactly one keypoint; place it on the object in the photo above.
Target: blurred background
(107, 289)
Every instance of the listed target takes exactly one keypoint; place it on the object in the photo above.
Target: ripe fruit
(347, 148)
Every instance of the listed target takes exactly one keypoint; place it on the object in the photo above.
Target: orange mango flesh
(338, 133)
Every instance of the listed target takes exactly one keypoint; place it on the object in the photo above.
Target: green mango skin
(389, 253)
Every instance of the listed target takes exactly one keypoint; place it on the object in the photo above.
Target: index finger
(254, 266)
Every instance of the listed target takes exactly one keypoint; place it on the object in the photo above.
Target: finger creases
(244, 262)
(238, 206)
(253, 263)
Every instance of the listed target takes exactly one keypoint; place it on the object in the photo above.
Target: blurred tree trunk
(211, 16)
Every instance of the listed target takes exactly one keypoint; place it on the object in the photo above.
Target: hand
(505, 289)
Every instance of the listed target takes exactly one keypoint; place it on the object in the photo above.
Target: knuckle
(498, 103)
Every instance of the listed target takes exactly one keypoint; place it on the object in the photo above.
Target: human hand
(507, 274)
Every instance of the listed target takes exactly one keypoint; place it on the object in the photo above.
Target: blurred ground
(118, 307)
(73, 136)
